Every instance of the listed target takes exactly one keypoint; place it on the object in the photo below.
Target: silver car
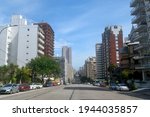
(9, 89)
(122, 87)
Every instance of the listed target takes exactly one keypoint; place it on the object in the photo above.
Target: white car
(39, 85)
(122, 87)
(33, 86)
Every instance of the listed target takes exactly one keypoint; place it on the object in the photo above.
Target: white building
(20, 42)
(67, 55)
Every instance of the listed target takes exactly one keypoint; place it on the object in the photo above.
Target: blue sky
(76, 23)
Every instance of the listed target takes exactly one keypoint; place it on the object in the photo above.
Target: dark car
(24, 87)
(113, 86)
(48, 84)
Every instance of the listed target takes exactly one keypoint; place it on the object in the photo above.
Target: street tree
(43, 66)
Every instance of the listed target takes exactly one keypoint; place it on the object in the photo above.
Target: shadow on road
(87, 88)
(141, 95)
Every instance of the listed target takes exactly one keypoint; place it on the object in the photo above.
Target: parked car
(96, 83)
(33, 86)
(122, 87)
(24, 87)
(9, 88)
(113, 86)
(48, 84)
(39, 85)
(102, 84)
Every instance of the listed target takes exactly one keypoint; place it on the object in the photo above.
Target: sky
(76, 23)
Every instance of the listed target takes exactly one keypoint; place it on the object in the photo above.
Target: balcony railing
(140, 36)
(133, 3)
(148, 7)
(142, 27)
(138, 18)
(41, 52)
(143, 66)
(41, 41)
(137, 8)
(41, 46)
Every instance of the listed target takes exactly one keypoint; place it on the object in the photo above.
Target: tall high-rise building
(67, 55)
(112, 41)
(49, 39)
(141, 33)
(99, 61)
(21, 42)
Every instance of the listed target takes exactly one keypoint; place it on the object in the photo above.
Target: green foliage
(111, 68)
(125, 74)
(8, 73)
(38, 67)
(23, 75)
(44, 66)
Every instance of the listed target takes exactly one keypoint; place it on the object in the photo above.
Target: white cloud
(76, 23)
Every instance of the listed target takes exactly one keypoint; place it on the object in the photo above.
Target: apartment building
(90, 68)
(141, 33)
(112, 41)
(99, 61)
(49, 39)
(20, 42)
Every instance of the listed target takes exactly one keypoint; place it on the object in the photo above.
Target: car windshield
(8, 85)
(122, 85)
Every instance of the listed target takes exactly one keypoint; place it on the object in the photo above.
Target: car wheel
(11, 92)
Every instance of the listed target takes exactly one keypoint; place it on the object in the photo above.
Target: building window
(28, 29)
(27, 53)
(27, 40)
(27, 35)
(27, 47)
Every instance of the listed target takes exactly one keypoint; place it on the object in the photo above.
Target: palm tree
(23, 75)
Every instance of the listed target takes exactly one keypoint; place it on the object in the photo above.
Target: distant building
(112, 41)
(67, 55)
(61, 62)
(99, 61)
(90, 68)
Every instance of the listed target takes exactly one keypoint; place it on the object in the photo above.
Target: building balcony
(138, 57)
(148, 7)
(41, 46)
(141, 46)
(138, 19)
(40, 52)
(141, 57)
(41, 41)
(133, 3)
(41, 35)
(141, 28)
(140, 36)
(143, 66)
(137, 9)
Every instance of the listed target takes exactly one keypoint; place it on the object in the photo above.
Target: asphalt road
(70, 92)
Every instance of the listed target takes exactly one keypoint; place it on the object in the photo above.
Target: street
(70, 92)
